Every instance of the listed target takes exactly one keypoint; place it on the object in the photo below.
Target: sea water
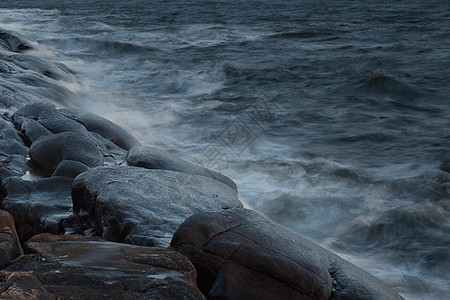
(331, 116)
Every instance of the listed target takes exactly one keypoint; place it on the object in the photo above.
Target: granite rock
(239, 254)
(37, 205)
(10, 247)
(154, 158)
(48, 151)
(94, 269)
(145, 207)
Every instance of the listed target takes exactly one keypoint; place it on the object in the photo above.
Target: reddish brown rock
(22, 286)
(84, 268)
(9, 242)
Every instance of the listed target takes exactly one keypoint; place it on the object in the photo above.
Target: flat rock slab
(37, 205)
(69, 267)
(145, 207)
(154, 158)
(239, 254)
(10, 247)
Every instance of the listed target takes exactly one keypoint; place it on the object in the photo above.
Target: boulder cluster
(86, 212)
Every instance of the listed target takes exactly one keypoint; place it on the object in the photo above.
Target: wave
(101, 46)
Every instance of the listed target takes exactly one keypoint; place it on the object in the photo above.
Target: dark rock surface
(76, 266)
(37, 205)
(13, 152)
(10, 247)
(154, 158)
(239, 254)
(103, 127)
(14, 42)
(145, 207)
(48, 151)
(38, 119)
(70, 168)
(22, 286)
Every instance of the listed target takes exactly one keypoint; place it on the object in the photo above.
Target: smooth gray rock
(239, 254)
(13, 152)
(145, 207)
(154, 158)
(47, 152)
(65, 267)
(101, 126)
(40, 119)
(70, 168)
(10, 247)
(38, 205)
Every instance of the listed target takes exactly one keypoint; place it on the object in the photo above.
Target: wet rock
(22, 286)
(101, 126)
(14, 42)
(39, 119)
(10, 247)
(47, 152)
(13, 152)
(70, 168)
(95, 269)
(240, 254)
(145, 207)
(153, 158)
(37, 205)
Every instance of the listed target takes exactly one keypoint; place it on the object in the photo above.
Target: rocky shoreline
(89, 213)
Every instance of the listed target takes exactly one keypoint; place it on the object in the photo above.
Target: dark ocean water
(331, 116)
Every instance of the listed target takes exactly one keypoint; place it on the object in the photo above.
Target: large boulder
(154, 158)
(239, 254)
(37, 205)
(10, 247)
(68, 266)
(145, 207)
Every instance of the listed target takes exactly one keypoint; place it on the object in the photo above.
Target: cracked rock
(145, 207)
(64, 267)
(239, 254)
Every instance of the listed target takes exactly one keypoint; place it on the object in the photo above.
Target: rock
(70, 168)
(240, 254)
(13, 152)
(38, 205)
(153, 158)
(96, 269)
(145, 207)
(14, 42)
(101, 126)
(48, 151)
(22, 286)
(39, 119)
(10, 247)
